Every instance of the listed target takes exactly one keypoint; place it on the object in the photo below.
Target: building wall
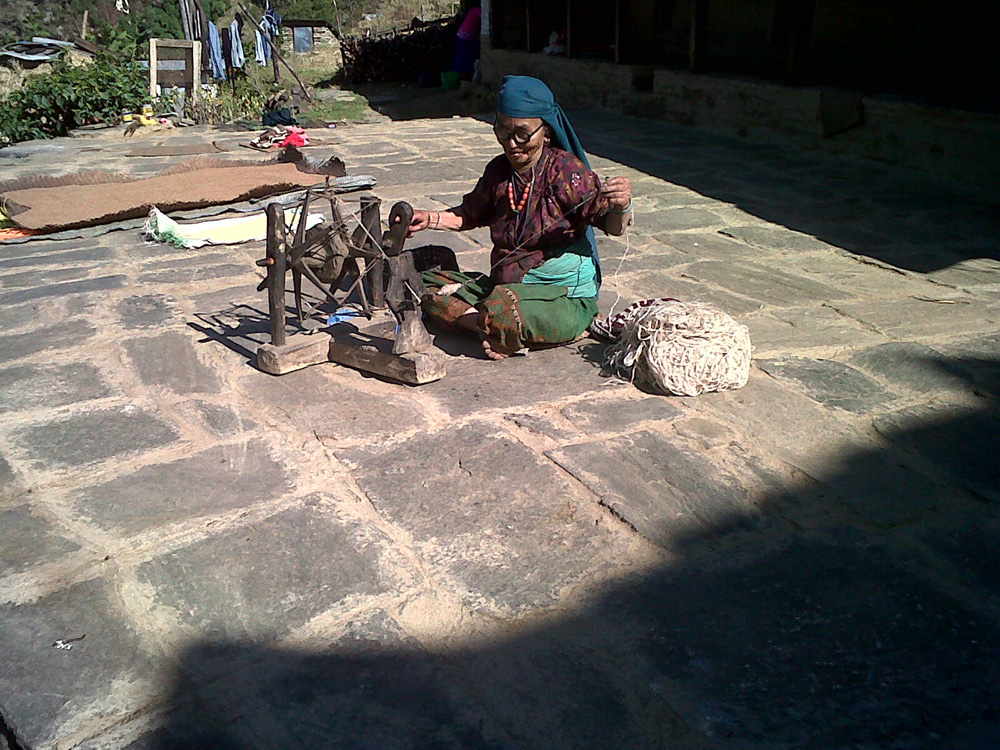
(325, 51)
(965, 145)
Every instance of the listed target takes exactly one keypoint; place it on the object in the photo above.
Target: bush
(50, 106)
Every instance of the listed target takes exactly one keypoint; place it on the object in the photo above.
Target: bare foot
(493, 353)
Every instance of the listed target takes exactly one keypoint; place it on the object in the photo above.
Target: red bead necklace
(519, 206)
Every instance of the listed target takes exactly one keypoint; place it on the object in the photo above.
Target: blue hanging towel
(238, 57)
(259, 49)
(215, 53)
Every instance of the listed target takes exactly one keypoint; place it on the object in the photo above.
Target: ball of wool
(682, 348)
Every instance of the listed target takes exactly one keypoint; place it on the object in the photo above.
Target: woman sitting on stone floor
(540, 200)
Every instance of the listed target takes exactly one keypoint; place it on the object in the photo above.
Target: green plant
(70, 96)
(228, 102)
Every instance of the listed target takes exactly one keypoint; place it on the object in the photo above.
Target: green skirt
(512, 316)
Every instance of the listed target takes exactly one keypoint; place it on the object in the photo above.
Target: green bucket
(449, 79)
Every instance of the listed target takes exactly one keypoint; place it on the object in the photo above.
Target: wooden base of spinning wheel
(369, 348)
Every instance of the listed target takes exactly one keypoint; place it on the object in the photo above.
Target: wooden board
(370, 349)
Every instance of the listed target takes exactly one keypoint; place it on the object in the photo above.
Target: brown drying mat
(99, 176)
(49, 209)
(186, 149)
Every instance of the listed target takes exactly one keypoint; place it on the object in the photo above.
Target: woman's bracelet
(437, 219)
(623, 211)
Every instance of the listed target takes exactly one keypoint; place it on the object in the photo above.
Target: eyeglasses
(520, 137)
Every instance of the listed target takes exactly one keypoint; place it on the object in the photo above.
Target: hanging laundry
(238, 58)
(260, 49)
(227, 48)
(215, 53)
(270, 24)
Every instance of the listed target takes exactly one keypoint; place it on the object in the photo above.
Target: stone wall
(325, 51)
(958, 143)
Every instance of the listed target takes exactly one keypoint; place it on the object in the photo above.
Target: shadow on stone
(759, 637)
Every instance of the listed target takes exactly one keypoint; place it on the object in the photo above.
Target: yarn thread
(681, 348)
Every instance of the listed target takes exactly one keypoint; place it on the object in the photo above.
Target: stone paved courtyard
(525, 554)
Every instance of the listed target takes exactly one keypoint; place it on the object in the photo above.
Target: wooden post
(276, 272)
(569, 30)
(803, 22)
(371, 219)
(196, 72)
(152, 68)
(618, 34)
(83, 26)
(698, 58)
(275, 41)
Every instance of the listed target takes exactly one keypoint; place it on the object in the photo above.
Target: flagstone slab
(830, 383)
(774, 238)
(770, 287)
(665, 488)
(169, 361)
(978, 357)
(679, 219)
(220, 420)
(879, 485)
(332, 403)
(492, 520)
(620, 414)
(6, 474)
(963, 443)
(146, 310)
(88, 437)
(473, 383)
(30, 387)
(847, 646)
(791, 331)
(963, 543)
(650, 285)
(64, 334)
(97, 284)
(864, 277)
(708, 246)
(974, 272)
(41, 248)
(28, 539)
(214, 481)
(272, 583)
(370, 686)
(51, 693)
(192, 275)
(594, 697)
(909, 318)
(43, 277)
(541, 424)
(82, 254)
(916, 367)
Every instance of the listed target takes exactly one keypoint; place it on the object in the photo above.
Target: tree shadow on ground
(802, 623)
(918, 220)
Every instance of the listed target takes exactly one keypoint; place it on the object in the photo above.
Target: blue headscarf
(523, 96)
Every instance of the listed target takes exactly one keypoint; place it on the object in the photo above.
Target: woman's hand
(421, 220)
(618, 191)
(447, 219)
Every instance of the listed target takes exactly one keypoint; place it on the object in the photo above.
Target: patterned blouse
(564, 198)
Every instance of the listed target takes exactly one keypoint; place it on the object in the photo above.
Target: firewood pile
(400, 55)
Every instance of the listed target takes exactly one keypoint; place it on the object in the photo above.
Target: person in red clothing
(541, 201)
(467, 43)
